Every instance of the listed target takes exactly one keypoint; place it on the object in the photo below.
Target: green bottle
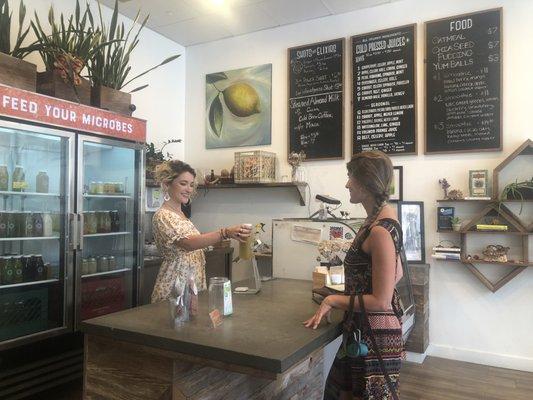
(9, 271)
(17, 275)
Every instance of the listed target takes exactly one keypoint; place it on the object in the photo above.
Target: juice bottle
(19, 179)
(17, 270)
(41, 182)
(4, 178)
(245, 248)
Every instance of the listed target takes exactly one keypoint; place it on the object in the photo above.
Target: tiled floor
(436, 379)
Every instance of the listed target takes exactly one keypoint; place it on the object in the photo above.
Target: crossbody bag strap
(376, 349)
(346, 322)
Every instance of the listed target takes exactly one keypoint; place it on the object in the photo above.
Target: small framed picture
(396, 187)
(154, 198)
(478, 182)
(444, 217)
(411, 214)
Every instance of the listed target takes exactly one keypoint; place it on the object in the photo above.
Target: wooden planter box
(17, 73)
(112, 100)
(50, 83)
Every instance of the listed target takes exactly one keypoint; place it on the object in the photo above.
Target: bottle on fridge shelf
(92, 268)
(17, 273)
(37, 222)
(41, 182)
(40, 269)
(28, 273)
(48, 229)
(115, 221)
(4, 178)
(19, 179)
(112, 262)
(27, 226)
(3, 224)
(3, 261)
(9, 271)
(84, 266)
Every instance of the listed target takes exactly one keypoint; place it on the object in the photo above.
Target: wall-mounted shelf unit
(300, 187)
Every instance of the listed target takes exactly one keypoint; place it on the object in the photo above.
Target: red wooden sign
(29, 106)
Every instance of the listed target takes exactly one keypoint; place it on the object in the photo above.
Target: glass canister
(91, 265)
(220, 295)
(41, 182)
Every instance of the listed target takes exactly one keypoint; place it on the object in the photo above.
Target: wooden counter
(262, 351)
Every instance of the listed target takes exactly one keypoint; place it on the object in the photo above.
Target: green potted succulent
(14, 71)
(456, 223)
(65, 51)
(518, 191)
(110, 67)
(155, 156)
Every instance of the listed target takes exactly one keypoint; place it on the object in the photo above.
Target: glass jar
(91, 265)
(41, 182)
(220, 295)
(245, 248)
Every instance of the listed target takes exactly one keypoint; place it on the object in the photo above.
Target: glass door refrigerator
(109, 249)
(36, 255)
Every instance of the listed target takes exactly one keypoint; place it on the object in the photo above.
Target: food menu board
(463, 83)
(316, 82)
(384, 91)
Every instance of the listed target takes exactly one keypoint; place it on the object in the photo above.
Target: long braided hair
(373, 170)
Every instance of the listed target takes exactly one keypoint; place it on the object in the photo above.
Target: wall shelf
(299, 186)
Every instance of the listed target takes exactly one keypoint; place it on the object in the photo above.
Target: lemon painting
(238, 107)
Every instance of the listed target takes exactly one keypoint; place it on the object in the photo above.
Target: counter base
(117, 369)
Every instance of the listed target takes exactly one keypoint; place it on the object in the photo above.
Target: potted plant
(456, 224)
(110, 67)
(155, 156)
(65, 52)
(518, 191)
(14, 71)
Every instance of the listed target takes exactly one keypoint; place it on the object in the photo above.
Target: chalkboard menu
(463, 83)
(316, 82)
(384, 91)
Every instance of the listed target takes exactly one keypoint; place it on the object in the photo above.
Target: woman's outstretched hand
(239, 232)
(323, 311)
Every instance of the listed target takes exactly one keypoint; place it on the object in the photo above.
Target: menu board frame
(500, 94)
(414, 84)
(340, 134)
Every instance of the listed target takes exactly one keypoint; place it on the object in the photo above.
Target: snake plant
(5, 31)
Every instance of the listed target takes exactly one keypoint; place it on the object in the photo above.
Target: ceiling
(190, 22)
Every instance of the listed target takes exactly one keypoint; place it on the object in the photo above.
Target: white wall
(468, 322)
(162, 103)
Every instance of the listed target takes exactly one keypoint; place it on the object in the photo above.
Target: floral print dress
(178, 263)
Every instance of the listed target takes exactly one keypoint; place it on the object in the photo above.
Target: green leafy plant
(5, 31)
(69, 46)
(518, 191)
(110, 65)
(154, 154)
(455, 220)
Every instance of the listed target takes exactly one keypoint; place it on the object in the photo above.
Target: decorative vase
(17, 73)
(50, 83)
(112, 100)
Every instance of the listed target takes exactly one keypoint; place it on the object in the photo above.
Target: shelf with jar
(7, 193)
(106, 273)
(28, 225)
(100, 265)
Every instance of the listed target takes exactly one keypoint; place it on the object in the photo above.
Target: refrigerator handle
(81, 218)
(73, 231)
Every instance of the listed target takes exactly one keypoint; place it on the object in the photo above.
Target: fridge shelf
(107, 234)
(115, 271)
(106, 196)
(33, 283)
(32, 194)
(15, 239)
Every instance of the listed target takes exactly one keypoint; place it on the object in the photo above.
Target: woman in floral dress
(177, 239)
(372, 268)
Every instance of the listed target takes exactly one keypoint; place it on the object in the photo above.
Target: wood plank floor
(435, 379)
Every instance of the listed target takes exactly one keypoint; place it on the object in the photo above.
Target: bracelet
(224, 233)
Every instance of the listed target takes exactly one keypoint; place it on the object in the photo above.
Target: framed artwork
(239, 107)
(396, 188)
(154, 198)
(411, 214)
(478, 182)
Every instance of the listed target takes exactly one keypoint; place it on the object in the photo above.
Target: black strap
(346, 323)
(376, 348)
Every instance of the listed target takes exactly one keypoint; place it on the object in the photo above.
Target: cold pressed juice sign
(29, 106)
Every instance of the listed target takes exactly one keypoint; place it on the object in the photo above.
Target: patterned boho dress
(178, 263)
(363, 376)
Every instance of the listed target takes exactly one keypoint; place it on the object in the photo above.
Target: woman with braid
(372, 268)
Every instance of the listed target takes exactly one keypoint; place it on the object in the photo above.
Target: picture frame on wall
(478, 182)
(411, 215)
(396, 189)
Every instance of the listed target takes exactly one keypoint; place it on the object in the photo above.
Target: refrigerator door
(108, 207)
(36, 198)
